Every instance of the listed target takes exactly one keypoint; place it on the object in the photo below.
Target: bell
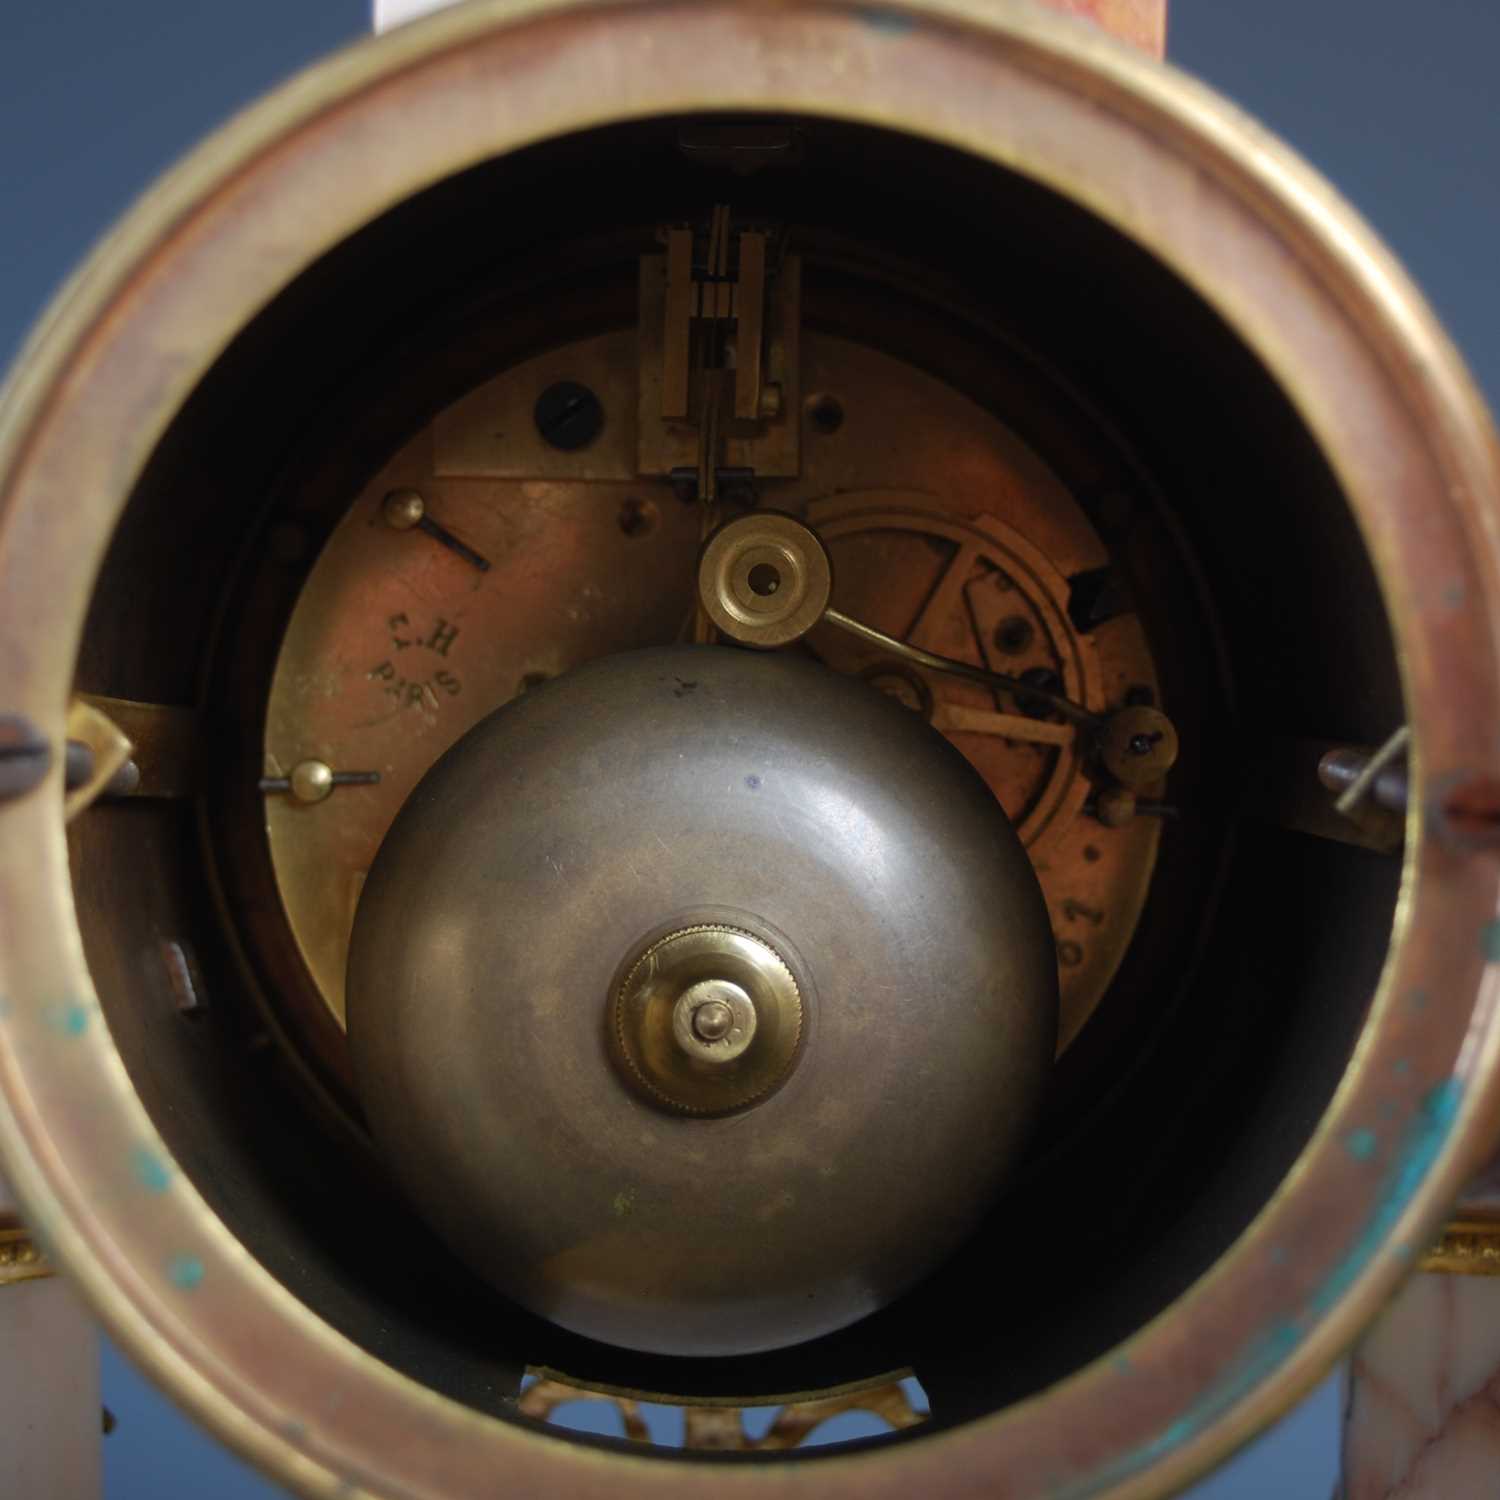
(702, 999)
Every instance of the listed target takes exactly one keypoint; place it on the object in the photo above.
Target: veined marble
(1422, 1407)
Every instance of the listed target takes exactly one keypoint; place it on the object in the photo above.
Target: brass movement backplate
(944, 528)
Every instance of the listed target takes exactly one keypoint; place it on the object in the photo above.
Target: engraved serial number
(1070, 952)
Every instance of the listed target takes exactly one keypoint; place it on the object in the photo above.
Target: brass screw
(1014, 635)
(312, 780)
(712, 1020)
(404, 509)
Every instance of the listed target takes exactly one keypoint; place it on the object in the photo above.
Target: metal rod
(440, 534)
(960, 718)
(1388, 752)
(1339, 769)
(1075, 712)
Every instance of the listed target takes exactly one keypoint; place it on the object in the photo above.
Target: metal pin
(182, 977)
(1340, 769)
(312, 780)
(25, 756)
(1074, 712)
(405, 510)
(1394, 747)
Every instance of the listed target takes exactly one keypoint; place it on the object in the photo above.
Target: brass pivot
(764, 579)
(714, 1021)
(708, 1020)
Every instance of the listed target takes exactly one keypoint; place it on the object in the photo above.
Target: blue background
(1394, 99)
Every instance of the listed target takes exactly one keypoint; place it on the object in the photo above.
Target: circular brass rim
(1307, 288)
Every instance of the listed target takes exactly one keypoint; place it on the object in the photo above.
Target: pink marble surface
(49, 1393)
(1140, 22)
(1422, 1414)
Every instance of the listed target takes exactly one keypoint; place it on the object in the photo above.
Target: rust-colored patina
(1282, 261)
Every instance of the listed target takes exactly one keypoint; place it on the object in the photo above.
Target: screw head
(1015, 635)
(404, 509)
(825, 413)
(1138, 745)
(569, 416)
(712, 1020)
(311, 781)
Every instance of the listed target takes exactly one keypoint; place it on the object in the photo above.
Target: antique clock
(731, 704)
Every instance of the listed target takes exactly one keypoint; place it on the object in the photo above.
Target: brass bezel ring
(1305, 286)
